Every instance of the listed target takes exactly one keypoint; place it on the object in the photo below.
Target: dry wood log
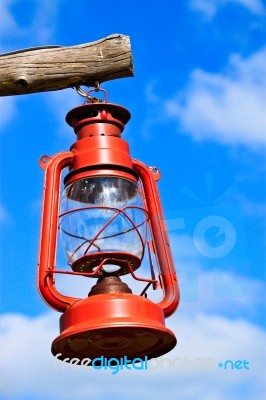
(51, 68)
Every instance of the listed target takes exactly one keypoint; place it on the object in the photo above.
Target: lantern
(108, 217)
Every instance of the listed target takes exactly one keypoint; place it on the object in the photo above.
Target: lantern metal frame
(100, 151)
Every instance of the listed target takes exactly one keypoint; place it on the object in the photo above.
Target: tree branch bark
(51, 68)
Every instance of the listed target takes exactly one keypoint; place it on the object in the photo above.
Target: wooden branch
(48, 68)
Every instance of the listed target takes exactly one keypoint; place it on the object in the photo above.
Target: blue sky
(197, 102)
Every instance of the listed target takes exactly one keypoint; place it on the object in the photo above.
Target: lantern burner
(117, 263)
(109, 284)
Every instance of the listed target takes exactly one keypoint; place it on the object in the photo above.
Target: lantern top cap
(99, 110)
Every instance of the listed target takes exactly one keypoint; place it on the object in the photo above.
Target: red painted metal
(160, 238)
(48, 236)
(113, 325)
(100, 151)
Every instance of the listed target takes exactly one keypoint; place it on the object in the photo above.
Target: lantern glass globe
(103, 214)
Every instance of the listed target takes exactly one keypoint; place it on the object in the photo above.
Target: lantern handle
(53, 167)
(148, 177)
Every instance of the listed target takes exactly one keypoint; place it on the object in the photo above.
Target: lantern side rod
(160, 240)
(49, 228)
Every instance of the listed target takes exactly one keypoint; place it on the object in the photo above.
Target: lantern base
(112, 326)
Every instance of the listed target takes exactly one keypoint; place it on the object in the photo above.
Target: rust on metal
(109, 284)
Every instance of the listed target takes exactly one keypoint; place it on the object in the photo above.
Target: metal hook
(97, 86)
(96, 89)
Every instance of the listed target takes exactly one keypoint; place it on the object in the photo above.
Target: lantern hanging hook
(97, 86)
(92, 99)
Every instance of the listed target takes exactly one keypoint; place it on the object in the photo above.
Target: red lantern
(109, 203)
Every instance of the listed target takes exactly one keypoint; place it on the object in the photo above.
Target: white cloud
(206, 7)
(29, 369)
(209, 330)
(228, 107)
(40, 30)
(4, 215)
(45, 20)
(210, 7)
(41, 27)
(59, 104)
(7, 110)
(228, 293)
(7, 22)
(205, 334)
(254, 6)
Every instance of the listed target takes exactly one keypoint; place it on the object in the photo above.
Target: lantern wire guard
(109, 203)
